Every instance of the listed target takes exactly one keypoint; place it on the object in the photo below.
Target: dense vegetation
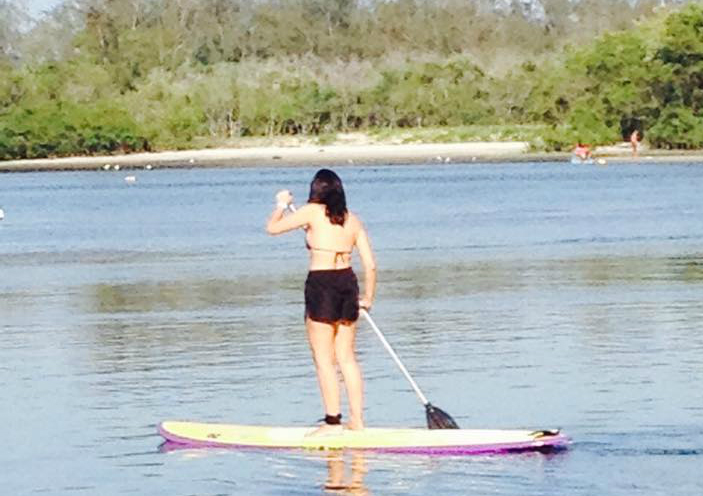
(97, 76)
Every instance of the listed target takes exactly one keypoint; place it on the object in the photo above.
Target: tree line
(99, 76)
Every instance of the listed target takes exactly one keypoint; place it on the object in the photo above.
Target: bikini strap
(336, 252)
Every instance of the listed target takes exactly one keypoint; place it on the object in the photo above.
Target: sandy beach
(337, 154)
(284, 155)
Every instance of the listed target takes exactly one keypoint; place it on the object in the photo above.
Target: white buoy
(130, 179)
(106, 167)
(148, 167)
(447, 160)
(117, 167)
(192, 160)
(2, 214)
(601, 161)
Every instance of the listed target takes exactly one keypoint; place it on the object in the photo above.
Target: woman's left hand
(365, 304)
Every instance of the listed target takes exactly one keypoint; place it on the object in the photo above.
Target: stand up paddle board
(436, 441)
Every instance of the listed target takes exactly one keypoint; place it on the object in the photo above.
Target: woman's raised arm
(279, 223)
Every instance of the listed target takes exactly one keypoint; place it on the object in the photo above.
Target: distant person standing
(635, 142)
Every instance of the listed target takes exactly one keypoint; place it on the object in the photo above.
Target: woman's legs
(330, 347)
(322, 337)
(346, 358)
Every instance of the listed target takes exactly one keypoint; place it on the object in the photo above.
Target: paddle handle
(393, 354)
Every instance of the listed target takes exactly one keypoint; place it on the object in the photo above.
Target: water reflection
(185, 295)
(691, 269)
(345, 473)
(345, 469)
(360, 473)
(421, 281)
(411, 282)
(145, 323)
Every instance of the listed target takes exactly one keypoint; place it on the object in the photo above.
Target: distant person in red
(582, 151)
(635, 142)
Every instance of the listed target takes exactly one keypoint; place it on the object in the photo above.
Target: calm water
(519, 295)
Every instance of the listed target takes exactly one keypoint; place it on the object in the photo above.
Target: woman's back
(330, 245)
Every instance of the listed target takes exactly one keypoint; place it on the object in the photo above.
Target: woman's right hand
(365, 304)
(284, 197)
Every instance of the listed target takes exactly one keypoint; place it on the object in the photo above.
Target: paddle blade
(439, 419)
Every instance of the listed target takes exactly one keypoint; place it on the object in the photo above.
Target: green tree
(680, 94)
(681, 51)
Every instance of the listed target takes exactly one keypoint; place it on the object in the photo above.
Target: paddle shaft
(393, 355)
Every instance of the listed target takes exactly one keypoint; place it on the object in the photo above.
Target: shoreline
(338, 154)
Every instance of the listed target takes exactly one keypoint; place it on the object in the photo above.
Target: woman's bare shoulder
(354, 221)
(315, 209)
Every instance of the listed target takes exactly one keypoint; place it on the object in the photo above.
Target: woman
(331, 290)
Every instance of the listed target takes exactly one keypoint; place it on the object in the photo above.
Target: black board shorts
(332, 296)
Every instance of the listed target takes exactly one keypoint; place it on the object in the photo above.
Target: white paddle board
(437, 441)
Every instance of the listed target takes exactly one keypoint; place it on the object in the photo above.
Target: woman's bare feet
(326, 430)
(354, 425)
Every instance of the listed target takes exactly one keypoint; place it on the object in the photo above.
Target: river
(518, 295)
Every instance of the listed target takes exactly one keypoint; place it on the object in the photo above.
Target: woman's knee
(324, 362)
(346, 358)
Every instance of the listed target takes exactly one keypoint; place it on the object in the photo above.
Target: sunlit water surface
(519, 296)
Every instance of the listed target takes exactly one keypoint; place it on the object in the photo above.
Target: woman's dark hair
(326, 189)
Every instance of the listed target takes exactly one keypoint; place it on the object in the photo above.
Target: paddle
(436, 417)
